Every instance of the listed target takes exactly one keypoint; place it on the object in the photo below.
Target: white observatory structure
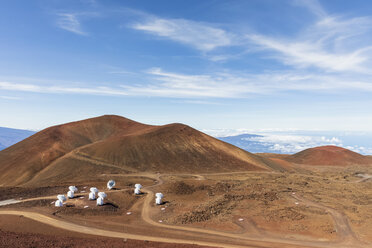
(58, 203)
(158, 199)
(100, 201)
(110, 184)
(93, 189)
(137, 189)
(70, 194)
(61, 198)
(102, 195)
(92, 194)
(73, 189)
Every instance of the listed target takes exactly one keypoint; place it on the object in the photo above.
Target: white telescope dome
(100, 201)
(70, 194)
(92, 196)
(73, 189)
(102, 194)
(158, 201)
(62, 198)
(139, 186)
(111, 184)
(137, 191)
(159, 195)
(93, 189)
(58, 203)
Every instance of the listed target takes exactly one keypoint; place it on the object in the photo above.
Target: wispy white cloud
(236, 84)
(61, 89)
(70, 22)
(228, 84)
(307, 53)
(183, 85)
(201, 36)
(10, 97)
(199, 102)
(332, 43)
(312, 5)
(19, 87)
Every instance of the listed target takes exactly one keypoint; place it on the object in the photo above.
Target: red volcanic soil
(20, 162)
(17, 231)
(27, 240)
(328, 155)
(110, 144)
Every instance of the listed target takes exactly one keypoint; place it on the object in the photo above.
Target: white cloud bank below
(294, 143)
(291, 141)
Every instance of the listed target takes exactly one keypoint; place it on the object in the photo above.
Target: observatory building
(159, 197)
(93, 189)
(62, 198)
(110, 184)
(102, 195)
(92, 194)
(58, 203)
(73, 189)
(137, 189)
(100, 201)
(70, 194)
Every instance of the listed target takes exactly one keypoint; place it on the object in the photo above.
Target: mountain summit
(86, 149)
(328, 155)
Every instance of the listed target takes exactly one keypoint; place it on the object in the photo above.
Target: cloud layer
(227, 84)
(289, 142)
(284, 143)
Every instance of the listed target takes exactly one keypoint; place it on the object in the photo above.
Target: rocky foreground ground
(32, 240)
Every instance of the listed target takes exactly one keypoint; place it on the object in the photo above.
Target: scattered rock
(182, 188)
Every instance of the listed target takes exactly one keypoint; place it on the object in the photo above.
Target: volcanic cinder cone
(328, 155)
(86, 149)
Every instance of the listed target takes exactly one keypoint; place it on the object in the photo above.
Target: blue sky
(254, 65)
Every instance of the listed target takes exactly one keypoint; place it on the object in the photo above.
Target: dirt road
(341, 222)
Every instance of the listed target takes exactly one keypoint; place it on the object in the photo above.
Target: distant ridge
(328, 155)
(10, 136)
(247, 142)
(86, 149)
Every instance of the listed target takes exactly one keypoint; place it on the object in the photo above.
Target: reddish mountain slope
(22, 161)
(111, 144)
(328, 155)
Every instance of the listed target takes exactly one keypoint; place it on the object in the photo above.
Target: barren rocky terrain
(319, 209)
(237, 199)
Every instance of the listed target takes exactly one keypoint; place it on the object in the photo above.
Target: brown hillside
(22, 161)
(328, 155)
(112, 144)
